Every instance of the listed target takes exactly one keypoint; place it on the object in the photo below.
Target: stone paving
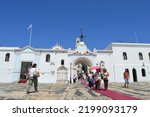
(15, 91)
(137, 89)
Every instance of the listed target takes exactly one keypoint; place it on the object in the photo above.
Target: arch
(81, 64)
(124, 56)
(134, 75)
(83, 60)
(143, 72)
(140, 56)
(47, 59)
(7, 57)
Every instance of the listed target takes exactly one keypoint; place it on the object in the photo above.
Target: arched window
(7, 57)
(124, 56)
(149, 55)
(140, 56)
(143, 72)
(47, 58)
(62, 62)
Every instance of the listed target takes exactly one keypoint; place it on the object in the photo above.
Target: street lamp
(70, 73)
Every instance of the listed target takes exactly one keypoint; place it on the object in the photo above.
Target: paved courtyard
(13, 91)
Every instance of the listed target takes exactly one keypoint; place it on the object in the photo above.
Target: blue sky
(102, 22)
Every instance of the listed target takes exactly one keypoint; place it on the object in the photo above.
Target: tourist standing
(97, 78)
(126, 78)
(105, 78)
(33, 78)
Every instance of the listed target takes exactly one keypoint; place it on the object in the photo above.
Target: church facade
(58, 65)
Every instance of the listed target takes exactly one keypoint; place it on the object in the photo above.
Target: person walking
(105, 78)
(33, 78)
(126, 78)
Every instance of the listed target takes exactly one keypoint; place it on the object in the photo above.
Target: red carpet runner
(22, 81)
(114, 95)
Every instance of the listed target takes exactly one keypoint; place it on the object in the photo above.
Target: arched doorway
(134, 75)
(80, 65)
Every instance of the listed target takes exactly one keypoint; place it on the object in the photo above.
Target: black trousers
(74, 80)
(97, 83)
(106, 83)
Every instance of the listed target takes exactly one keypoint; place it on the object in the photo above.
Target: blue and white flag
(30, 27)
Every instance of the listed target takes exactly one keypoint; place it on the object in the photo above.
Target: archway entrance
(81, 65)
(134, 75)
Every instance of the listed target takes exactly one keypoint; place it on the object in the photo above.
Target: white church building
(58, 65)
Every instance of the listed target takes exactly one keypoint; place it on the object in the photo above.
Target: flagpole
(30, 35)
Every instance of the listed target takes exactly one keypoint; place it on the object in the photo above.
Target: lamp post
(70, 73)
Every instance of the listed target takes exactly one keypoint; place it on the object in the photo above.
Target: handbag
(36, 74)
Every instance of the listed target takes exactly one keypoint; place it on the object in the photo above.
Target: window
(62, 62)
(47, 58)
(7, 57)
(124, 56)
(143, 72)
(140, 56)
(149, 55)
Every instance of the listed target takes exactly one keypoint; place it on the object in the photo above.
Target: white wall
(10, 71)
(47, 68)
(132, 62)
(6, 68)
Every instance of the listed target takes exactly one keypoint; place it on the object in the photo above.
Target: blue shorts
(126, 80)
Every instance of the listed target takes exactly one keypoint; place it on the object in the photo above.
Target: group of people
(95, 78)
(32, 77)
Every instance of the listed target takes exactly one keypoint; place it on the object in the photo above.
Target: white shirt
(32, 71)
